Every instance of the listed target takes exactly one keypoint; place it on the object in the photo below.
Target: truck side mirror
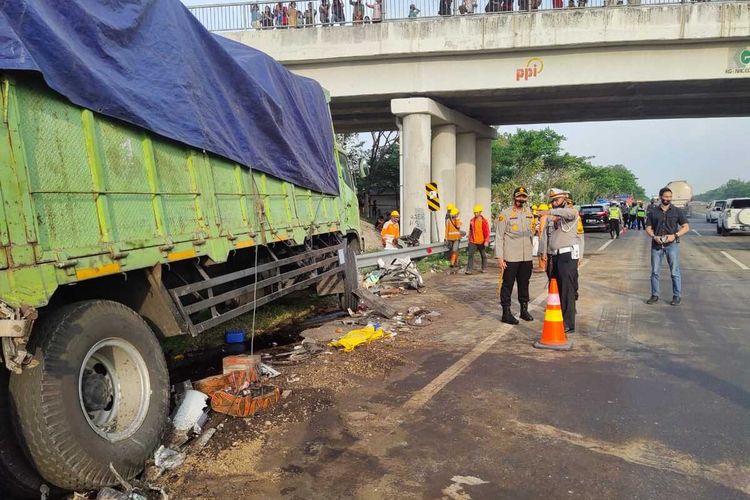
(364, 168)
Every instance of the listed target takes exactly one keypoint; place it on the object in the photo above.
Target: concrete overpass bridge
(447, 79)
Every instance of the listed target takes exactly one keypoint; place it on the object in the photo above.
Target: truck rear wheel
(18, 479)
(351, 280)
(99, 396)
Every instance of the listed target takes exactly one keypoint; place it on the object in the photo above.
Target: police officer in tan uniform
(562, 245)
(514, 231)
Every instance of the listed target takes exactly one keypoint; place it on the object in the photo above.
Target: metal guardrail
(277, 15)
(371, 259)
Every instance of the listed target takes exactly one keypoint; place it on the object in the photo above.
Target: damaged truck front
(114, 236)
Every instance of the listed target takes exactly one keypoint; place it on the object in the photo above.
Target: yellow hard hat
(450, 206)
(535, 207)
(543, 206)
(478, 208)
(395, 214)
(453, 211)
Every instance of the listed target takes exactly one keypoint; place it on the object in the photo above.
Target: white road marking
(422, 396)
(742, 266)
(604, 246)
(696, 232)
(456, 492)
(644, 452)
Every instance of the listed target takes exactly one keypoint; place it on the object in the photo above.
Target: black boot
(525, 312)
(508, 317)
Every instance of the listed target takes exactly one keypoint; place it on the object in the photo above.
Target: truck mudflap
(15, 328)
(210, 301)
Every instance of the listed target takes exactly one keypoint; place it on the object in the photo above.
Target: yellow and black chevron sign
(433, 200)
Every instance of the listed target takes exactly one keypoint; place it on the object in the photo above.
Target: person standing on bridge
(338, 12)
(324, 12)
(446, 8)
(358, 11)
(665, 225)
(479, 239)
(377, 11)
(615, 217)
(513, 248)
(561, 243)
(391, 232)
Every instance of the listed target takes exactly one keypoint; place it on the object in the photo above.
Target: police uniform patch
(515, 227)
(501, 217)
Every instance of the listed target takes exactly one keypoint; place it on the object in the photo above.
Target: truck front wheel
(98, 396)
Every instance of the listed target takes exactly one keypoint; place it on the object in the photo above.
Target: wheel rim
(114, 389)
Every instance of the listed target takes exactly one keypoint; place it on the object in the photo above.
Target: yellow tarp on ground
(357, 337)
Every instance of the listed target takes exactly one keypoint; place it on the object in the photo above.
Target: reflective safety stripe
(451, 229)
(391, 229)
(553, 315)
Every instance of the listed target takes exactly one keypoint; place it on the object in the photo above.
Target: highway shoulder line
(696, 232)
(604, 246)
(740, 264)
(422, 396)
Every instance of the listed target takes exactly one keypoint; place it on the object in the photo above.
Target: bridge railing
(327, 13)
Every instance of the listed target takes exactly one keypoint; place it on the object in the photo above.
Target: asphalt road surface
(653, 402)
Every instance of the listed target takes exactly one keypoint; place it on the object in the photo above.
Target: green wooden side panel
(83, 196)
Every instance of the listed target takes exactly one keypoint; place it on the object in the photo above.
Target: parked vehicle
(734, 217)
(714, 209)
(594, 217)
(115, 236)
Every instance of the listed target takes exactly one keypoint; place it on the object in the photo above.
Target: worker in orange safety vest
(479, 239)
(391, 232)
(453, 235)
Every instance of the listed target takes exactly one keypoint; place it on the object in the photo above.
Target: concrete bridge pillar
(466, 174)
(444, 173)
(440, 145)
(484, 175)
(416, 142)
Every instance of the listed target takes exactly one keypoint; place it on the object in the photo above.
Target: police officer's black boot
(525, 312)
(508, 316)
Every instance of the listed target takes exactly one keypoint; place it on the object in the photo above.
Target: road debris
(167, 458)
(400, 272)
(238, 393)
(358, 337)
(190, 410)
(202, 441)
(268, 371)
(376, 303)
(244, 363)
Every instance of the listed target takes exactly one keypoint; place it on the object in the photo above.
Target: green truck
(114, 237)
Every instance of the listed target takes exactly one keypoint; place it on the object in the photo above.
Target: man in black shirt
(665, 224)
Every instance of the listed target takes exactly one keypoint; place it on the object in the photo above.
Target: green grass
(436, 263)
(271, 317)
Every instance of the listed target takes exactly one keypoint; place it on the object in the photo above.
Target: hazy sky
(704, 152)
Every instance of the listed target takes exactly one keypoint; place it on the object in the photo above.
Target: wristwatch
(676, 238)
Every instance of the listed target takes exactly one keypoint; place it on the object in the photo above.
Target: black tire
(18, 479)
(348, 299)
(59, 438)
(718, 229)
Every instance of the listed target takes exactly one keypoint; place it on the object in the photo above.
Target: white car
(714, 209)
(734, 217)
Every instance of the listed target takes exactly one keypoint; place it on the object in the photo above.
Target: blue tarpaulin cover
(152, 64)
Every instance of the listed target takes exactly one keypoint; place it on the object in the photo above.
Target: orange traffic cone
(553, 331)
